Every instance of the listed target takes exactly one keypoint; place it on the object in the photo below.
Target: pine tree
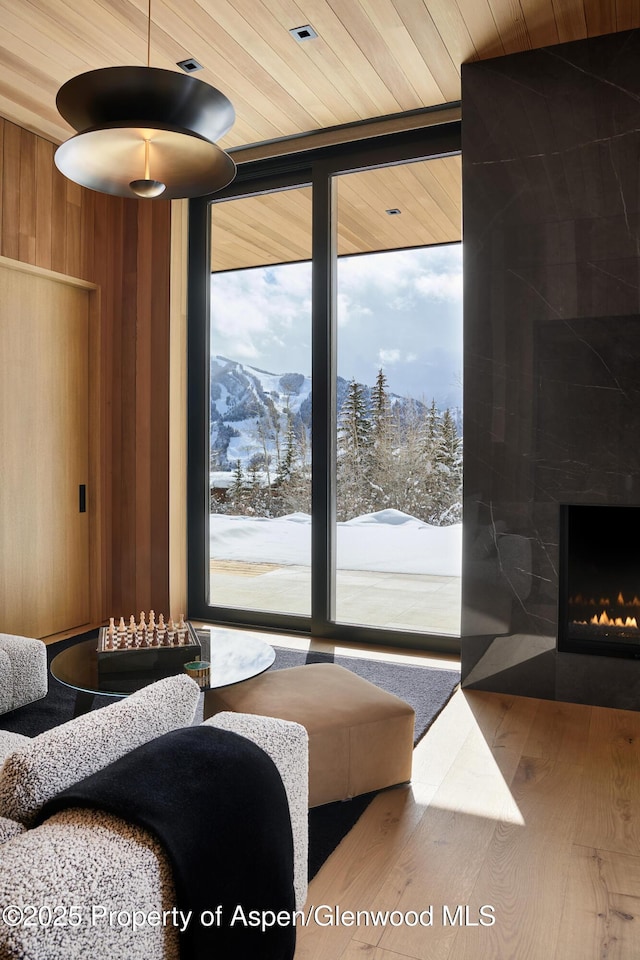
(449, 471)
(431, 495)
(299, 485)
(383, 475)
(354, 427)
(432, 431)
(255, 497)
(354, 454)
(448, 451)
(237, 489)
(380, 408)
(287, 463)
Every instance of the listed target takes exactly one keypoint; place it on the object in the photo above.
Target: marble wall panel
(551, 193)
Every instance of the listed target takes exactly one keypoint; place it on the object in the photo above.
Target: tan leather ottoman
(360, 737)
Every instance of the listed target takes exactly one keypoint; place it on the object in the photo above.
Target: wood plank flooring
(529, 806)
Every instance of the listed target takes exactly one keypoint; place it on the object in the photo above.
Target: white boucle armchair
(23, 671)
(87, 858)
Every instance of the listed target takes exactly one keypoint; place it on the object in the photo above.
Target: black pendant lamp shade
(145, 132)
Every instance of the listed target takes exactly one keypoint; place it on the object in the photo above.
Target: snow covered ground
(385, 541)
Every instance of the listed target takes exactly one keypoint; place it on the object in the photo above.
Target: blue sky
(400, 310)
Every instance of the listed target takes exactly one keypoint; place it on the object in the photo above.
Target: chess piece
(132, 639)
(151, 629)
(111, 634)
(141, 632)
(182, 630)
(161, 630)
(140, 628)
(122, 634)
(171, 632)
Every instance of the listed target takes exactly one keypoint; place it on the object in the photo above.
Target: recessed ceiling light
(393, 211)
(190, 65)
(305, 32)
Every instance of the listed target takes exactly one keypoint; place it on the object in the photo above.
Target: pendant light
(145, 132)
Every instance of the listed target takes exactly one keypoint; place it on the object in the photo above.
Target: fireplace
(599, 580)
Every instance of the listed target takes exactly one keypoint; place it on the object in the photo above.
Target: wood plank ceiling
(276, 227)
(371, 57)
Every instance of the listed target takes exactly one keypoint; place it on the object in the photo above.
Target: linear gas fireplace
(599, 579)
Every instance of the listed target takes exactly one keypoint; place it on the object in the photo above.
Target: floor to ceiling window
(260, 403)
(329, 367)
(399, 439)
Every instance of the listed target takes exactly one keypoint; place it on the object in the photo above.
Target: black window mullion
(198, 353)
(323, 402)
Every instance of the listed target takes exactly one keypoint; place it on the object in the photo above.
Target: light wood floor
(529, 806)
(526, 805)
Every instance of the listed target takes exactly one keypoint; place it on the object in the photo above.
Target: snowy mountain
(250, 410)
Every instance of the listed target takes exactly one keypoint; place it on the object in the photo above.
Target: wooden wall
(124, 247)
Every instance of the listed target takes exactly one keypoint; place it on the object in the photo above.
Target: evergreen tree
(354, 454)
(431, 480)
(432, 431)
(354, 427)
(384, 462)
(255, 494)
(237, 488)
(449, 471)
(448, 451)
(298, 487)
(287, 463)
(380, 409)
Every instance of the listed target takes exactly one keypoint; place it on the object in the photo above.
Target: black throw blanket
(217, 804)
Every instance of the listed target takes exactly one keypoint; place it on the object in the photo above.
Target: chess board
(148, 661)
(145, 634)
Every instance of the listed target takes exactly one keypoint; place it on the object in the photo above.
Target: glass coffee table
(234, 656)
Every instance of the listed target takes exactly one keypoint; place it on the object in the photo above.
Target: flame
(604, 620)
(580, 600)
(607, 618)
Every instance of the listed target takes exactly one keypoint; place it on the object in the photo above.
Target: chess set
(146, 634)
(143, 651)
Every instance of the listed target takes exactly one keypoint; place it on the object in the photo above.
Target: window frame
(316, 168)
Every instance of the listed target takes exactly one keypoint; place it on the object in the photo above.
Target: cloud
(251, 309)
(392, 357)
(403, 278)
(440, 286)
(388, 356)
(349, 310)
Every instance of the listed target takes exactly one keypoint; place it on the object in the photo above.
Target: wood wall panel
(9, 246)
(177, 399)
(123, 246)
(45, 547)
(157, 301)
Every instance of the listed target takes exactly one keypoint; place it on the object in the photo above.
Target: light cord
(149, 36)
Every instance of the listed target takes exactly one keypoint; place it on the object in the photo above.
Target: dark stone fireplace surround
(551, 194)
